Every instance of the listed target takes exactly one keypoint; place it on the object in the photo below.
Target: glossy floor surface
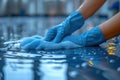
(87, 63)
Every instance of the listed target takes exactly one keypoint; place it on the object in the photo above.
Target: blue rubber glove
(39, 44)
(56, 46)
(67, 27)
(28, 40)
(92, 37)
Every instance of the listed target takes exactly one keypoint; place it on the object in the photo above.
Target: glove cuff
(95, 37)
(102, 37)
(74, 21)
(77, 15)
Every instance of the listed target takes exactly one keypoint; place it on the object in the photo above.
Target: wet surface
(18, 27)
(89, 63)
(15, 28)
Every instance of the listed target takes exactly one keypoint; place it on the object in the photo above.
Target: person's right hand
(93, 37)
(67, 27)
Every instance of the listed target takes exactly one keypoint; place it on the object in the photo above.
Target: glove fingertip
(32, 45)
(26, 41)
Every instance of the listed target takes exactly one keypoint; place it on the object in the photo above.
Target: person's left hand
(72, 23)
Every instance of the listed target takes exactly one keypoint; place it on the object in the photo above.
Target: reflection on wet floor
(14, 28)
(90, 63)
(17, 27)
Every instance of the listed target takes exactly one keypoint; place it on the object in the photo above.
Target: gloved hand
(39, 44)
(67, 27)
(28, 40)
(92, 37)
(56, 46)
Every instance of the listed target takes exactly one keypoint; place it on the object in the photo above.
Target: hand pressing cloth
(90, 38)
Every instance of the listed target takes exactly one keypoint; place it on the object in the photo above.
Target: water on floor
(87, 63)
(90, 63)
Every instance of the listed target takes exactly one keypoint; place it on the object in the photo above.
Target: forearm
(111, 27)
(89, 7)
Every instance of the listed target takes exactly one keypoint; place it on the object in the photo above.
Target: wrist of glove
(90, 38)
(67, 27)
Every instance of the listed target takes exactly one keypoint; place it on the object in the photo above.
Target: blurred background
(22, 18)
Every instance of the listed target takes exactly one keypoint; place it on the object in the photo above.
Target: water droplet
(91, 58)
(73, 73)
(77, 66)
(74, 58)
(84, 64)
(94, 53)
(89, 53)
(112, 61)
(118, 69)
